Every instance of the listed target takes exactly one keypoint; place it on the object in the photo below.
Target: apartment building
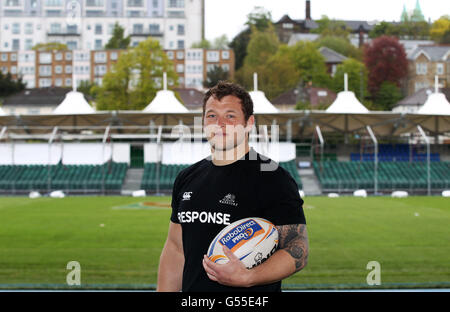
(41, 69)
(89, 24)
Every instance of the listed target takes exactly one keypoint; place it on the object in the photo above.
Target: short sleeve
(175, 199)
(286, 200)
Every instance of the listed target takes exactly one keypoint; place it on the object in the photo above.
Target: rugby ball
(252, 240)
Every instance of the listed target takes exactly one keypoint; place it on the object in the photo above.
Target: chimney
(308, 10)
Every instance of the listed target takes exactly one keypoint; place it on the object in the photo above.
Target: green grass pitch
(118, 241)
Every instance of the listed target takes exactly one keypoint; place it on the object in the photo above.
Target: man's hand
(234, 273)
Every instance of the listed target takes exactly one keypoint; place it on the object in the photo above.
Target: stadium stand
(70, 178)
(398, 152)
(351, 175)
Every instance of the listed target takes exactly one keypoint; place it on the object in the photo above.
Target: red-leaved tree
(385, 59)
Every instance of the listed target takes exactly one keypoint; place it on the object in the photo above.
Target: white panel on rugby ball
(252, 240)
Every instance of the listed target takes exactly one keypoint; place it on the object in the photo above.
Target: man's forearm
(170, 273)
(290, 258)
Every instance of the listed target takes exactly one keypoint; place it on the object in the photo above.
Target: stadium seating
(63, 177)
(398, 152)
(168, 173)
(344, 176)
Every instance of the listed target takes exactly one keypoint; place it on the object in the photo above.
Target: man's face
(224, 122)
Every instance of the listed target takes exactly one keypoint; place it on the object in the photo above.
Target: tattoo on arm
(293, 239)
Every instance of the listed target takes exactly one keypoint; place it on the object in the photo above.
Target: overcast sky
(228, 16)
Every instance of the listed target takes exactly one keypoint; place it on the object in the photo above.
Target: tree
(118, 41)
(50, 46)
(357, 77)
(213, 76)
(387, 96)
(440, 30)
(385, 59)
(135, 78)
(341, 45)
(327, 27)
(260, 20)
(262, 45)
(310, 64)
(9, 86)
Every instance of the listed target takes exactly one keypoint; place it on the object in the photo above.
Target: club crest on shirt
(187, 195)
(229, 199)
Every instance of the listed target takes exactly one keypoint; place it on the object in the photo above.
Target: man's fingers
(230, 255)
(208, 267)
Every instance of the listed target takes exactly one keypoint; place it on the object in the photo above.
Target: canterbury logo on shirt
(204, 217)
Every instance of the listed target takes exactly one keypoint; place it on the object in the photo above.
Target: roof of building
(191, 97)
(315, 96)
(433, 52)
(52, 96)
(420, 97)
(311, 24)
(331, 56)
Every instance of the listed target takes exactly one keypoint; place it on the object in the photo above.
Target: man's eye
(230, 116)
(211, 116)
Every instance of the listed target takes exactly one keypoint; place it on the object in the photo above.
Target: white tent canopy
(2, 112)
(261, 104)
(436, 103)
(346, 102)
(74, 103)
(165, 101)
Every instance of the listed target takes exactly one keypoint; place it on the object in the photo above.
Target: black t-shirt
(206, 198)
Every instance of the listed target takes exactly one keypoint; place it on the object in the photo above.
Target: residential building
(426, 62)
(413, 102)
(43, 69)
(89, 24)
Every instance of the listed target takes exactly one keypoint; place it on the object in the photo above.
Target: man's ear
(250, 123)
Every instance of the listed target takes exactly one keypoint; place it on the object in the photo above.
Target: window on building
(68, 69)
(100, 57)
(55, 28)
(176, 3)
(226, 67)
(58, 69)
(420, 85)
(154, 29)
(16, 45)
(138, 28)
(68, 56)
(45, 58)
(440, 68)
(212, 56)
(225, 55)
(95, 3)
(45, 70)
(53, 2)
(180, 44)
(135, 3)
(98, 29)
(58, 82)
(58, 56)
(288, 25)
(29, 28)
(180, 30)
(169, 55)
(180, 55)
(100, 70)
(180, 68)
(13, 57)
(72, 45)
(98, 44)
(11, 3)
(4, 57)
(15, 28)
(68, 82)
(113, 56)
(28, 44)
(72, 29)
(421, 68)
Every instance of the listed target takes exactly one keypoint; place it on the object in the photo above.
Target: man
(233, 183)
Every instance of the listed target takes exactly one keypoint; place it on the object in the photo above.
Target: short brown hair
(224, 88)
